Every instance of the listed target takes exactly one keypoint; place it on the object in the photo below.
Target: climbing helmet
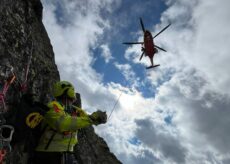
(63, 87)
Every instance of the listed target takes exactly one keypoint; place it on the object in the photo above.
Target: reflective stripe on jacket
(62, 128)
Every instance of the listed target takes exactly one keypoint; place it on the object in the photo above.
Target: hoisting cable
(114, 105)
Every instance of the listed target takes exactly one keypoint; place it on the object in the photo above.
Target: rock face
(22, 34)
(23, 40)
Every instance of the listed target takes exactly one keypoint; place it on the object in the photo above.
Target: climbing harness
(5, 87)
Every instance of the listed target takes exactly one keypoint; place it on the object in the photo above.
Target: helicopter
(148, 47)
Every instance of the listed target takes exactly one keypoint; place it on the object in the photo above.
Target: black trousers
(53, 158)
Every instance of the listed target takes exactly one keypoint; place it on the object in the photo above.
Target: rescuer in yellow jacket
(61, 123)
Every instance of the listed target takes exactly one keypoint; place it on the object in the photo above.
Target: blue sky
(121, 32)
(163, 114)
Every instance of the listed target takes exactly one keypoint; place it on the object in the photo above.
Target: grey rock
(23, 35)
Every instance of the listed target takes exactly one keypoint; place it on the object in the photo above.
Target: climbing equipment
(8, 82)
(2, 155)
(33, 119)
(23, 85)
(6, 133)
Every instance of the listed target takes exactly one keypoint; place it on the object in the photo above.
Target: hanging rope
(23, 86)
(5, 88)
(115, 105)
(2, 155)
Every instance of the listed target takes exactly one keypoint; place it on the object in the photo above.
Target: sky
(178, 112)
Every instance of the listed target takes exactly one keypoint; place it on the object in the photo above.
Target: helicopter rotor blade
(133, 42)
(162, 30)
(141, 56)
(160, 48)
(142, 25)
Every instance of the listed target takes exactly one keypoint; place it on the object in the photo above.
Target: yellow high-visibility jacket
(62, 128)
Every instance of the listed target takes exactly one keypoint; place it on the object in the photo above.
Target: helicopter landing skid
(153, 66)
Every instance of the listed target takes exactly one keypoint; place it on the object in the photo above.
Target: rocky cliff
(26, 53)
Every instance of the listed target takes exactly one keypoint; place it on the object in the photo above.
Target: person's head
(64, 90)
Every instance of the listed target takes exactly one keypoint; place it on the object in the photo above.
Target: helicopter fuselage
(149, 48)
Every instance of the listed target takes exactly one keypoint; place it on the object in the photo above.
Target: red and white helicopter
(149, 48)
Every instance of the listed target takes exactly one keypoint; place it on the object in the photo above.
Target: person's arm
(61, 121)
(80, 112)
(97, 117)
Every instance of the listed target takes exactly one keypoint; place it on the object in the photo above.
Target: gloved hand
(98, 117)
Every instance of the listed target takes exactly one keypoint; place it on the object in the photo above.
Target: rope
(5, 89)
(117, 101)
(2, 155)
(24, 84)
(115, 105)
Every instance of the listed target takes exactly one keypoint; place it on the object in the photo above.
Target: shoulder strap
(51, 138)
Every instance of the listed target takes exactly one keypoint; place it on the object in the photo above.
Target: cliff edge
(27, 54)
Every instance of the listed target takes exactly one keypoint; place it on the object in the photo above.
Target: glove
(98, 117)
(79, 112)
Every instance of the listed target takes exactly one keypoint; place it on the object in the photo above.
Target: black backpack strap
(51, 138)
(43, 129)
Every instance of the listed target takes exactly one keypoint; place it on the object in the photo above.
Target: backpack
(26, 117)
